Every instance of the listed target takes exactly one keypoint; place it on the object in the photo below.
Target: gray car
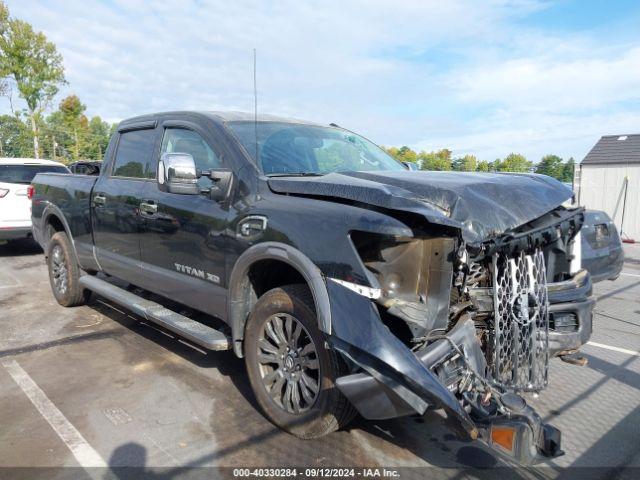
(602, 252)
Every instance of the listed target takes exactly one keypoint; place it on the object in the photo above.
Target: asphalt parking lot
(123, 393)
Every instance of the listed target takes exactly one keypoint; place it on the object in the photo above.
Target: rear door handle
(99, 200)
(148, 207)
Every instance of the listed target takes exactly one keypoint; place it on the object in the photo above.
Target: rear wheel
(64, 273)
(291, 372)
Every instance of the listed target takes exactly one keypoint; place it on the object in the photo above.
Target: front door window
(181, 140)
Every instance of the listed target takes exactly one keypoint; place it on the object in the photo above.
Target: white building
(609, 179)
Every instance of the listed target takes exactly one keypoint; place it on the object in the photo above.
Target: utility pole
(624, 204)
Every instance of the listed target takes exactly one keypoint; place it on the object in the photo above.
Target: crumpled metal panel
(358, 332)
(521, 346)
(481, 205)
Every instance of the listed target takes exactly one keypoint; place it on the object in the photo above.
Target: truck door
(183, 250)
(115, 201)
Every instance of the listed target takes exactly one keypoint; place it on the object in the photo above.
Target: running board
(191, 330)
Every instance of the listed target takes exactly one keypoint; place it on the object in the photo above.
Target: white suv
(15, 207)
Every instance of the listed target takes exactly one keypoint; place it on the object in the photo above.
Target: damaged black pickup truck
(347, 281)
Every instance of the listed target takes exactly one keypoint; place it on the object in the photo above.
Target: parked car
(602, 250)
(86, 167)
(15, 207)
(602, 253)
(347, 282)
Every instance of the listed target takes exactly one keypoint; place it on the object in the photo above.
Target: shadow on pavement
(621, 456)
(19, 248)
(611, 293)
(412, 434)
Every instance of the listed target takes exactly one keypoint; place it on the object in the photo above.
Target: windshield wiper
(296, 174)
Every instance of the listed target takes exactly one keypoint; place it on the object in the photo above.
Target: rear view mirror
(411, 166)
(177, 174)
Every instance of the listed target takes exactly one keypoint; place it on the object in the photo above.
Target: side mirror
(177, 174)
(411, 166)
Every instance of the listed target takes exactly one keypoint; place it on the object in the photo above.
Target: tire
(318, 412)
(64, 272)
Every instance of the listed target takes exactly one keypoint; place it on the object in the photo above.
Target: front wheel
(64, 274)
(291, 372)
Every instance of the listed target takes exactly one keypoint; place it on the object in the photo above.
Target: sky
(478, 77)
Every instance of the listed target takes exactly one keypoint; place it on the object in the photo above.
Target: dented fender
(359, 334)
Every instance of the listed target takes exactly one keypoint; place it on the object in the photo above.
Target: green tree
(4, 24)
(32, 63)
(4, 18)
(468, 163)
(484, 166)
(393, 151)
(568, 170)
(551, 165)
(99, 134)
(514, 162)
(58, 140)
(75, 122)
(406, 154)
(440, 160)
(15, 137)
(402, 154)
(69, 134)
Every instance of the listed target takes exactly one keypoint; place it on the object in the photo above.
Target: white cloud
(457, 74)
(536, 135)
(558, 100)
(555, 83)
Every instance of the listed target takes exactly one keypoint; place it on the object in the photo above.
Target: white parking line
(615, 349)
(80, 448)
(630, 274)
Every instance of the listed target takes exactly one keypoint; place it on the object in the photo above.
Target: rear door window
(23, 174)
(134, 155)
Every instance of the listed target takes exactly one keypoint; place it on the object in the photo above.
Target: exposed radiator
(521, 336)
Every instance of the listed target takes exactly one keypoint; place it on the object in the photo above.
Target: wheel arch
(53, 216)
(242, 294)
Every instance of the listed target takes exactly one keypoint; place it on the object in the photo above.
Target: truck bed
(69, 195)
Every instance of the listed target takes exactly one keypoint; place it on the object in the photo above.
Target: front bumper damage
(390, 380)
(570, 314)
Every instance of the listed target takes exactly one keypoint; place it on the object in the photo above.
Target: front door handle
(99, 200)
(148, 207)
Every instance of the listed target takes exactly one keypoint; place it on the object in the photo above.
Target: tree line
(65, 135)
(32, 68)
(442, 160)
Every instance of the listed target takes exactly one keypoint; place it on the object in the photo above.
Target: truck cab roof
(215, 116)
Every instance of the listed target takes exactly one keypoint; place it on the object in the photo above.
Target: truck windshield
(23, 174)
(291, 148)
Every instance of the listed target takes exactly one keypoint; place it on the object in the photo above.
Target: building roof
(614, 149)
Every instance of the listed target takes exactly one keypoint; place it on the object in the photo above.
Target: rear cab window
(23, 174)
(134, 155)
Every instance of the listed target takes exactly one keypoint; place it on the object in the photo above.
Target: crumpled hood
(481, 205)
